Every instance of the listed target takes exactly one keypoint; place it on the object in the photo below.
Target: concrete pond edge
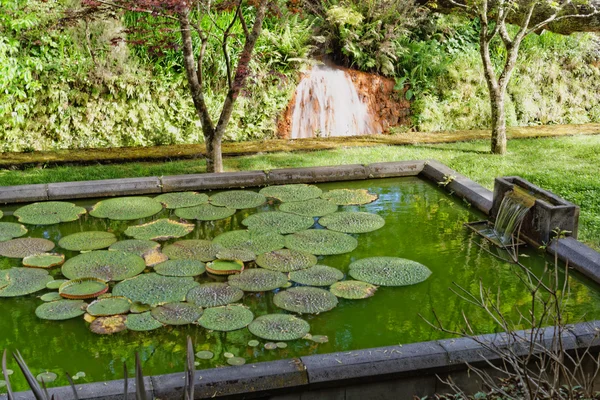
(387, 372)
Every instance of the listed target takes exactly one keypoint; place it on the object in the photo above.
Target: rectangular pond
(422, 223)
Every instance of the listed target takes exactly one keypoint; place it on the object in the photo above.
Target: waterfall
(327, 104)
(513, 208)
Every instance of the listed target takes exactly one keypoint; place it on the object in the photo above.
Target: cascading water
(513, 209)
(327, 104)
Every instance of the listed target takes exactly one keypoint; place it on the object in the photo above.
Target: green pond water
(423, 223)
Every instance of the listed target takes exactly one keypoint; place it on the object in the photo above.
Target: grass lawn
(567, 166)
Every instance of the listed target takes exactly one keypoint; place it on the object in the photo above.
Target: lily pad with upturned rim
(277, 221)
(305, 300)
(347, 197)
(180, 268)
(279, 327)
(321, 242)
(292, 192)
(353, 290)
(309, 208)
(104, 264)
(286, 260)
(154, 289)
(108, 306)
(352, 222)
(83, 288)
(238, 199)
(319, 275)
(23, 247)
(258, 280)
(214, 294)
(182, 199)
(177, 313)
(205, 212)
(225, 267)
(126, 208)
(389, 271)
(86, 241)
(49, 213)
(61, 310)
(109, 325)
(44, 260)
(161, 229)
(135, 246)
(257, 242)
(142, 322)
(226, 318)
(201, 250)
(16, 282)
(11, 230)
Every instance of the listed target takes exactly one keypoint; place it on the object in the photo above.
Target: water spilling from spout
(513, 208)
(328, 104)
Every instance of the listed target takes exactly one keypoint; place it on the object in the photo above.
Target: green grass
(567, 166)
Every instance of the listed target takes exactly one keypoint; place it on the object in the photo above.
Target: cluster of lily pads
(140, 285)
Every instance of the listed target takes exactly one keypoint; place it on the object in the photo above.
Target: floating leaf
(11, 230)
(309, 208)
(126, 208)
(238, 199)
(205, 212)
(205, 355)
(236, 361)
(281, 345)
(279, 327)
(177, 313)
(352, 222)
(105, 307)
(257, 242)
(353, 289)
(85, 241)
(83, 288)
(154, 257)
(236, 254)
(161, 229)
(54, 284)
(319, 338)
(22, 281)
(201, 250)
(154, 289)
(52, 296)
(270, 346)
(389, 271)
(135, 246)
(293, 192)
(142, 322)
(2, 382)
(286, 260)
(214, 294)
(347, 197)
(319, 275)
(258, 280)
(109, 325)
(46, 377)
(305, 300)
(253, 343)
(138, 308)
(180, 268)
(182, 199)
(228, 355)
(23, 247)
(104, 264)
(321, 242)
(277, 221)
(44, 260)
(49, 213)
(226, 318)
(61, 310)
(225, 267)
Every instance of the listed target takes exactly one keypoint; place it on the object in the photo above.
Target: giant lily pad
(201, 250)
(309, 208)
(177, 313)
(11, 230)
(23, 247)
(258, 280)
(277, 221)
(352, 222)
(238, 199)
(61, 310)
(161, 229)
(243, 255)
(257, 242)
(49, 213)
(180, 268)
(182, 199)
(226, 318)
(321, 242)
(142, 322)
(135, 246)
(286, 260)
(126, 208)
(353, 289)
(86, 241)
(205, 212)
(109, 325)
(83, 288)
(347, 197)
(389, 271)
(214, 294)
(113, 305)
(22, 281)
(225, 267)
(293, 192)
(104, 264)
(319, 275)
(55, 284)
(51, 296)
(44, 260)
(280, 327)
(155, 289)
(305, 300)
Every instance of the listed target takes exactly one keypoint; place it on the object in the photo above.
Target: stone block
(225, 180)
(394, 169)
(103, 188)
(577, 255)
(23, 193)
(317, 174)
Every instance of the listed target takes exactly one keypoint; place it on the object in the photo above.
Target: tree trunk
(215, 155)
(498, 122)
